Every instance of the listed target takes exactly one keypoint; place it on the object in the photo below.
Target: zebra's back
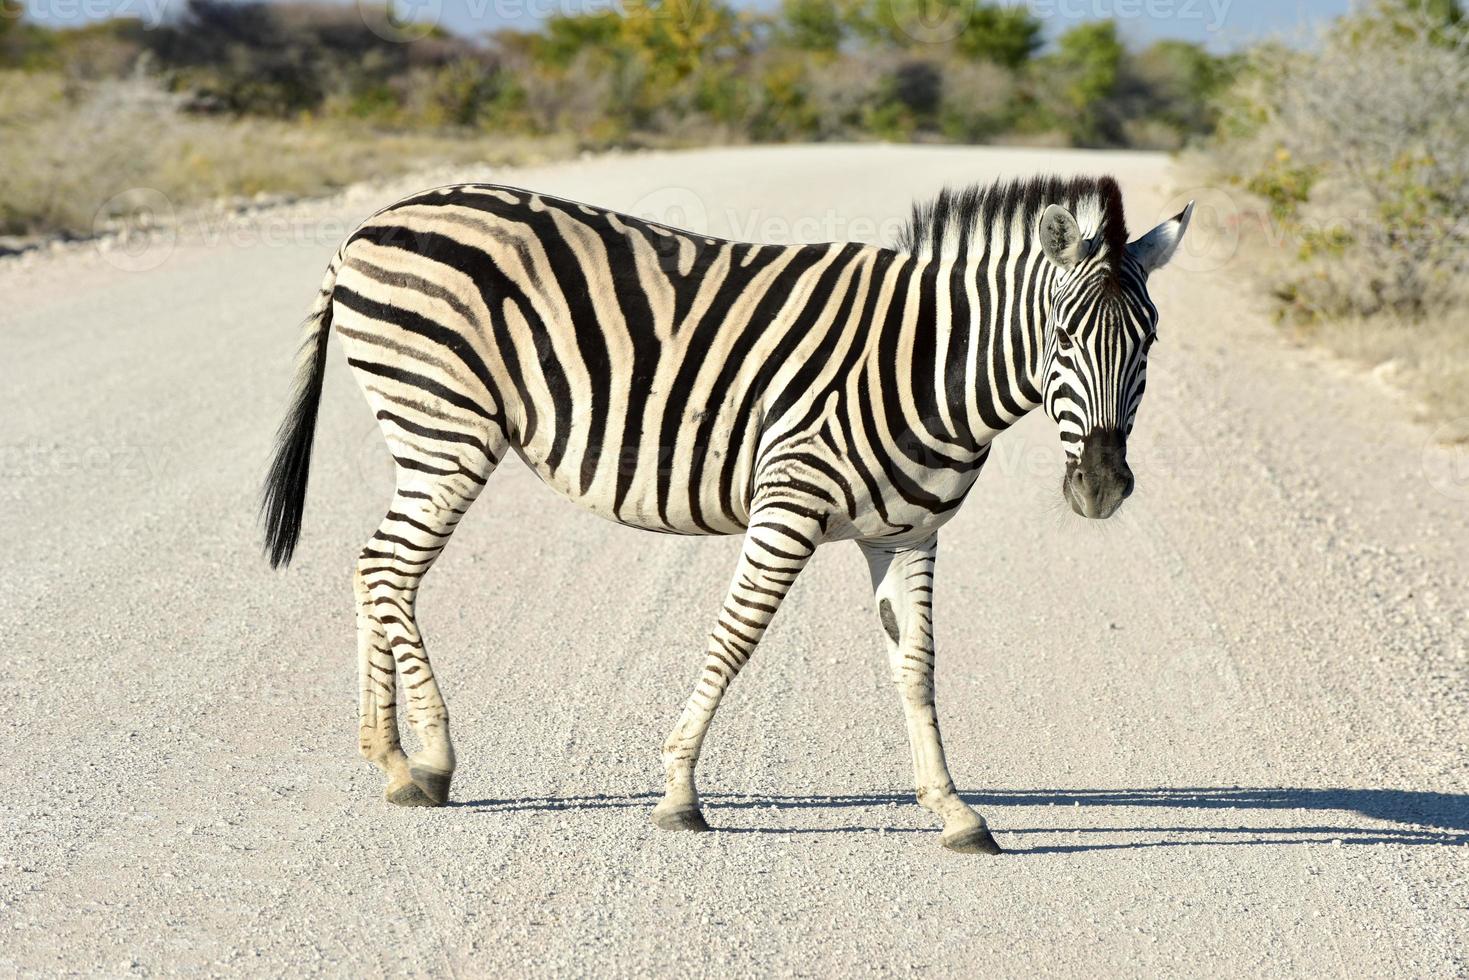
(639, 370)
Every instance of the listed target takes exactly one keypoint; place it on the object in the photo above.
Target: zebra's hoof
(976, 840)
(433, 783)
(408, 795)
(679, 818)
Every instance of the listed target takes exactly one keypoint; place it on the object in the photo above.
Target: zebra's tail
(284, 496)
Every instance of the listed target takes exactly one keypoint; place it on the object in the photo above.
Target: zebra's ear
(1154, 249)
(1060, 236)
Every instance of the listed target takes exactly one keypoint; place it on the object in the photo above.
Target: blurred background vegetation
(1348, 167)
(1345, 158)
(229, 98)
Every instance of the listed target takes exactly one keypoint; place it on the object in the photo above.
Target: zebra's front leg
(902, 578)
(778, 544)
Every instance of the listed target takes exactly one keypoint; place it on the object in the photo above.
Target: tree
(812, 25)
(1080, 79)
(13, 47)
(564, 36)
(1177, 83)
(678, 37)
(1006, 35)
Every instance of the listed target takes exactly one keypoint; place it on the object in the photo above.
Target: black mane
(958, 215)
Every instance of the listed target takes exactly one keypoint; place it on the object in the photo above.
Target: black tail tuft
(284, 495)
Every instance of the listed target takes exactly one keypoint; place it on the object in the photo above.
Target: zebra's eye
(1063, 340)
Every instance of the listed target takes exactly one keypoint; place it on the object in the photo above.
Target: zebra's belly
(678, 492)
(670, 491)
(890, 516)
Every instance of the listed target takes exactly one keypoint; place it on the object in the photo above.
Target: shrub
(1167, 93)
(842, 95)
(288, 58)
(980, 101)
(1361, 150)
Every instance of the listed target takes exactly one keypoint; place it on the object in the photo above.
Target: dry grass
(74, 157)
(1428, 359)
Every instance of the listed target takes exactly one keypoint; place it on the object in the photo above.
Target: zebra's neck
(992, 290)
(986, 315)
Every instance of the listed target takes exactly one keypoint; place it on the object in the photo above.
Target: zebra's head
(1101, 325)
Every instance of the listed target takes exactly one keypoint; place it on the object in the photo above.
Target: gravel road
(1222, 733)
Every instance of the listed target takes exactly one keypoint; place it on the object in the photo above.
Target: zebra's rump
(639, 370)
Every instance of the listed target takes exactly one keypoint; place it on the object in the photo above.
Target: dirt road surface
(1223, 733)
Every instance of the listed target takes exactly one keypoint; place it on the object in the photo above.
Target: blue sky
(1221, 24)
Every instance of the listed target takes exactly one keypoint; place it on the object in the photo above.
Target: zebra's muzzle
(1096, 484)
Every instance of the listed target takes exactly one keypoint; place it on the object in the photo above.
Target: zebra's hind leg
(426, 508)
(902, 578)
(778, 544)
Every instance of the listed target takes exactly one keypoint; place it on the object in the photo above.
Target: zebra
(680, 383)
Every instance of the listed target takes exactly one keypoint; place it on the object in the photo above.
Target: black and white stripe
(685, 384)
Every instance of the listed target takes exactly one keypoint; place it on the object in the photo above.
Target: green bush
(284, 59)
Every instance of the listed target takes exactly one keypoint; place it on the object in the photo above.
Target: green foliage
(10, 14)
(1284, 184)
(1090, 57)
(1006, 35)
(24, 45)
(459, 94)
(812, 25)
(677, 38)
(1182, 73)
(784, 107)
(566, 36)
(1081, 77)
(656, 71)
(1003, 33)
(1394, 21)
(909, 100)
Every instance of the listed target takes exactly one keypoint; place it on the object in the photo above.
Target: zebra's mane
(960, 216)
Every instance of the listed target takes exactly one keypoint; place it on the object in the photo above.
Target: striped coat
(674, 382)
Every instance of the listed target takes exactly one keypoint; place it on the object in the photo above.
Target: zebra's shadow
(1398, 816)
